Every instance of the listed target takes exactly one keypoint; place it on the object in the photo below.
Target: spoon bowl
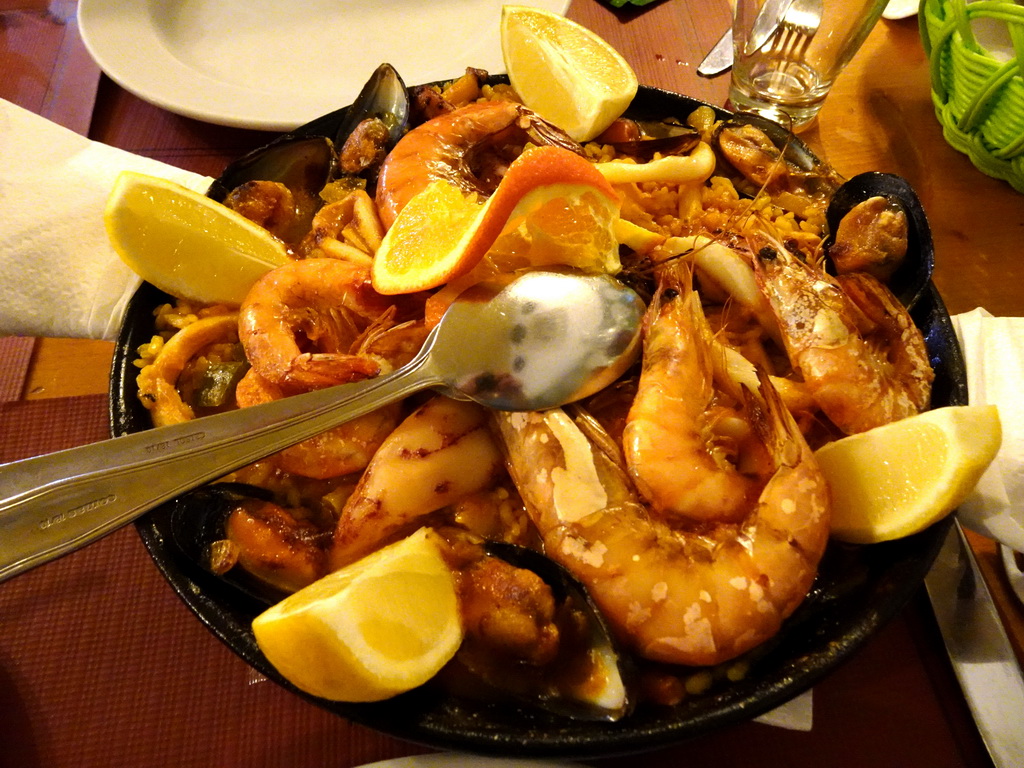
(542, 340)
(546, 339)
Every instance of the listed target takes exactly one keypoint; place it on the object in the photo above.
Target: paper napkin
(58, 274)
(994, 356)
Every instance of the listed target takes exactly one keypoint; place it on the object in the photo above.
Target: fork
(798, 27)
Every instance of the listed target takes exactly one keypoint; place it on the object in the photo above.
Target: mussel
(316, 154)
(198, 524)
(794, 151)
(303, 164)
(759, 154)
(668, 136)
(910, 280)
(384, 98)
(588, 679)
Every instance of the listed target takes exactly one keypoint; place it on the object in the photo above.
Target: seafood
(872, 238)
(338, 451)
(441, 453)
(533, 632)
(643, 141)
(373, 123)
(385, 98)
(696, 167)
(682, 497)
(471, 147)
(316, 323)
(157, 381)
(855, 347)
(909, 279)
(679, 439)
(347, 229)
(274, 547)
(302, 165)
(270, 204)
(238, 532)
(299, 321)
(679, 595)
(766, 156)
(508, 611)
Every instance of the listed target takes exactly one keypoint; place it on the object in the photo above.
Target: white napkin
(58, 274)
(796, 714)
(994, 356)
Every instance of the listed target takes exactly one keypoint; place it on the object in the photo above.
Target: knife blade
(767, 21)
(719, 59)
(979, 649)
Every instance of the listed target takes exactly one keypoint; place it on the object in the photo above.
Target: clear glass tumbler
(787, 53)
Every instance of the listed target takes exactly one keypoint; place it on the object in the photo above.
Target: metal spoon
(545, 339)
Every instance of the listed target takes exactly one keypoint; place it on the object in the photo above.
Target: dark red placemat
(15, 356)
(102, 665)
(31, 427)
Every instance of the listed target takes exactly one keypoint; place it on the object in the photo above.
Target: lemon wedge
(898, 479)
(381, 626)
(185, 243)
(564, 72)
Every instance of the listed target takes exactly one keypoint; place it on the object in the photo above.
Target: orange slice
(549, 196)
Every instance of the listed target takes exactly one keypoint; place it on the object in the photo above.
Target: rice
(715, 208)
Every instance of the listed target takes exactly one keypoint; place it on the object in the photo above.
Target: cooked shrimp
(856, 348)
(339, 451)
(680, 438)
(676, 595)
(441, 453)
(471, 147)
(299, 321)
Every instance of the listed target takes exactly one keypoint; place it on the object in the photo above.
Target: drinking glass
(787, 53)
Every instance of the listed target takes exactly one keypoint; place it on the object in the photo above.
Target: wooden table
(100, 665)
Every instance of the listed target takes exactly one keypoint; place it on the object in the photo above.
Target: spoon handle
(54, 504)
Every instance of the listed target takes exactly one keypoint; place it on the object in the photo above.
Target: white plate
(276, 64)
(900, 9)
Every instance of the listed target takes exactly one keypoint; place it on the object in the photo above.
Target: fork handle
(54, 504)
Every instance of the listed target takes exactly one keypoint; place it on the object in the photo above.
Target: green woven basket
(979, 99)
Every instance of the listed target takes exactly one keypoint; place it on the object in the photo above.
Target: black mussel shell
(196, 522)
(911, 279)
(666, 145)
(565, 586)
(385, 97)
(303, 163)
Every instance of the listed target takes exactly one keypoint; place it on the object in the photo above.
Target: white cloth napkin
(59, 277)
(994, 356)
